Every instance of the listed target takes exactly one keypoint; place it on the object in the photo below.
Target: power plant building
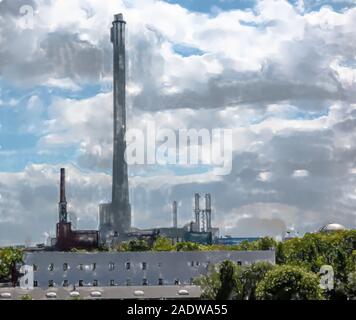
(66, 237)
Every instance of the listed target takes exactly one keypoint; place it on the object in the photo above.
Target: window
(80, 283)
(160, 282)
(65, 283)
(51, 267)
(50, 283)
(144, 266)
(35, 283)
(93, 266)
(144, 282)
(128, 282)
(35, 267)
(112, 283)
(128, 265)
(111, 266)
(65, 266)
(95, 283)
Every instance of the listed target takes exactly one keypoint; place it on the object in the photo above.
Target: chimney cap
(119, 18)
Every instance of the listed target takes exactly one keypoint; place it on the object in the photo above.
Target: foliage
(351, 286)
(138, 245)
(289, 283)
(188, 246)
(122, 246)
(209, 284)
(250, 277)
(314, 250)
(221, 282)
(8, 258)
(26, 297)
(163, 244)
(231, 281)
(227, 276)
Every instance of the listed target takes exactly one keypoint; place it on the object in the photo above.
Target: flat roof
(114, 292)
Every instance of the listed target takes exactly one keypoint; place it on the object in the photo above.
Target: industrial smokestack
(197, 211)
(120, 206)
(175, 214)
(208, 211)
(62, 196)
(62, 205)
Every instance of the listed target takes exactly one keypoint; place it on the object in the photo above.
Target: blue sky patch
(186, 50)
(210, 6)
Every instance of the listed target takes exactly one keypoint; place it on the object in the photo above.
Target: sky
(280, 74)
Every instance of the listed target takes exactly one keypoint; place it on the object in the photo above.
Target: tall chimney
(208, 211)
(120, 206)
(197, 211)
(62, 205)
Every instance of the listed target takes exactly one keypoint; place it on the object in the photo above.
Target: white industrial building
(72, 269)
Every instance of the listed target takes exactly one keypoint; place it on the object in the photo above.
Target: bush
(188, 246)
(289, 283)
(163, 244)
(26, 297)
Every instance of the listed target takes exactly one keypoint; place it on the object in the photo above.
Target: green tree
(221, 282)
(280, 253)
(351, 286)
(289, 283)
(8, 258)
(209, 284)
(250, 276)
(266, 243)
(316, 249)
(135, 245)
(163, 244)
(188, 246)
(228, 281)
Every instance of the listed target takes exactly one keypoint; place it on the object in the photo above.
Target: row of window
(95, 283)
(111, 266)
(92, 266)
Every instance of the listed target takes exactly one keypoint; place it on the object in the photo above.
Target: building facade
(65, 269)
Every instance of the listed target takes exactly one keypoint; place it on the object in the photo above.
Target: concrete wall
(111, 267)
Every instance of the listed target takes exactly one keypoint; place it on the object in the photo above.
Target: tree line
(296, 274)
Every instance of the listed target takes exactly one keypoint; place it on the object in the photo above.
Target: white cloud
(300, 173)
(284, 83)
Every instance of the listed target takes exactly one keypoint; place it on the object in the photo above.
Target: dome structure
(331, 227)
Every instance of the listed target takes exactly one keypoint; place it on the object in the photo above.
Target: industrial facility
(66, 238)
(115, 217)
(200, 230)
(55, 271)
